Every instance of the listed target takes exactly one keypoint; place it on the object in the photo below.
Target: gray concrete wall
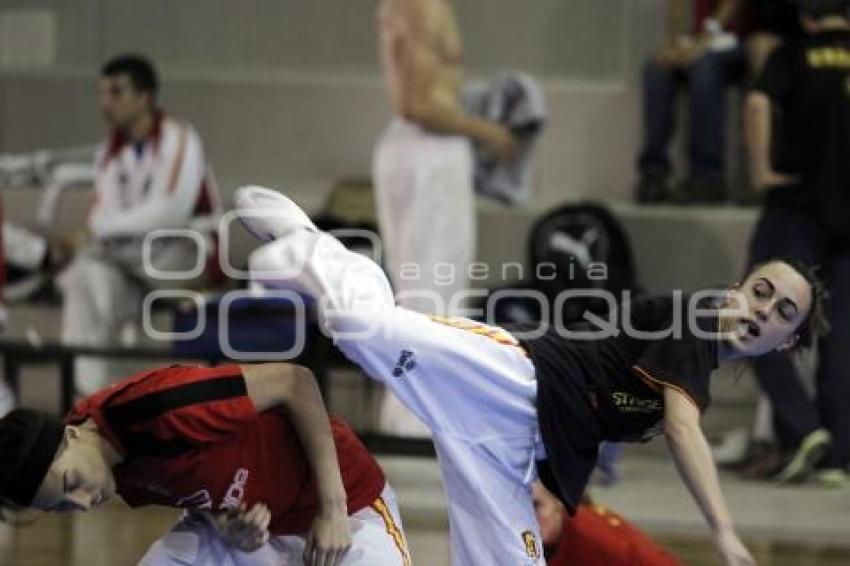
(290, 91)
(589, 39)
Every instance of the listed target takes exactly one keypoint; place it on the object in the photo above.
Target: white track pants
(470, 384)
(377, 540)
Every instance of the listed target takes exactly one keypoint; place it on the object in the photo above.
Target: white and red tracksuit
(161, 182)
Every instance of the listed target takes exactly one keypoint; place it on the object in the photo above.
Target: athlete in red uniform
(594, 536)
(249, 449)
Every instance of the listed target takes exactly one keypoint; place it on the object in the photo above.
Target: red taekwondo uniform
(191, 438)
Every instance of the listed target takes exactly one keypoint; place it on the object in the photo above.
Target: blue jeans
(786, 230)
(707, 79)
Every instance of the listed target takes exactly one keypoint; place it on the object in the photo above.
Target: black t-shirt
(808, 81)
(612, 388)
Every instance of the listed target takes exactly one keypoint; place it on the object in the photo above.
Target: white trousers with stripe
(377, 540)
(470, 384)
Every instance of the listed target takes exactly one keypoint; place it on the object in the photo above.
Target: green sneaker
(832, 477)
(810, 452)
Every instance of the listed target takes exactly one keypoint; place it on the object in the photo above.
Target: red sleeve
(170, 410)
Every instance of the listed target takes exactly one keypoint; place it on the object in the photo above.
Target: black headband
(29, 441)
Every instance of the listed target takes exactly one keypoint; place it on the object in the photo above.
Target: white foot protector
(267, 214)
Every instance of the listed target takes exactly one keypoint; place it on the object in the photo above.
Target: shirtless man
(423, 166)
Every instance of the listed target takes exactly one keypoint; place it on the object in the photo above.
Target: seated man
(249, 450)
(151, 174)
(593, 537)
(708, 60)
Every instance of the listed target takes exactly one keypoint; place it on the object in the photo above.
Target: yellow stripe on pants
(381, 508)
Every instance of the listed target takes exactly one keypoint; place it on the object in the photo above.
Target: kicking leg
(491, 512)
(471, 384)
(439, 370)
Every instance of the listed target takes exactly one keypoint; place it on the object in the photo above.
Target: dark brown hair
(138, 68)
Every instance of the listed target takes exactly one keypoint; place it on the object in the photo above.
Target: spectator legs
(659, 98)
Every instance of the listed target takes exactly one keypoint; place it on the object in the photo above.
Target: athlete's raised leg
(440, 369)
(471, 384)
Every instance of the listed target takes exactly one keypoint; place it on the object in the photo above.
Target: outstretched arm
(691, 453)
(295, 389)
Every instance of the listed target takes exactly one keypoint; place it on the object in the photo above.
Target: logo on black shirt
(628, 403)
(829, 57)
(405, 363)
